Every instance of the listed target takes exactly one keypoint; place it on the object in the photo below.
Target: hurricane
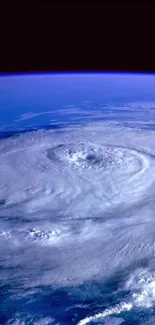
(77, 224)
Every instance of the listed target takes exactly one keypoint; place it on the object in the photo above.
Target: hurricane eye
(91, 157)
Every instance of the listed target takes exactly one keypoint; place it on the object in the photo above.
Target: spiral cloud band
(81, 201)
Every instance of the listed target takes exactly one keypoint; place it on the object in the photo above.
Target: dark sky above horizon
(77, 36)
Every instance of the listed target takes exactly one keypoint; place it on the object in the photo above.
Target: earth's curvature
(77, 199)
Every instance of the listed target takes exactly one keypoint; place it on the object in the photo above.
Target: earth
(77, 199)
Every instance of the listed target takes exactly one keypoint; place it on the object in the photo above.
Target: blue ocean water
(67, 305)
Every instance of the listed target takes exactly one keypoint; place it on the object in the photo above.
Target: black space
(77, 36)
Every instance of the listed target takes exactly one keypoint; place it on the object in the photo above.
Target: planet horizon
(77, 188)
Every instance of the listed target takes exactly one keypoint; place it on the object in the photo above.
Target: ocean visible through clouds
(77, 199)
